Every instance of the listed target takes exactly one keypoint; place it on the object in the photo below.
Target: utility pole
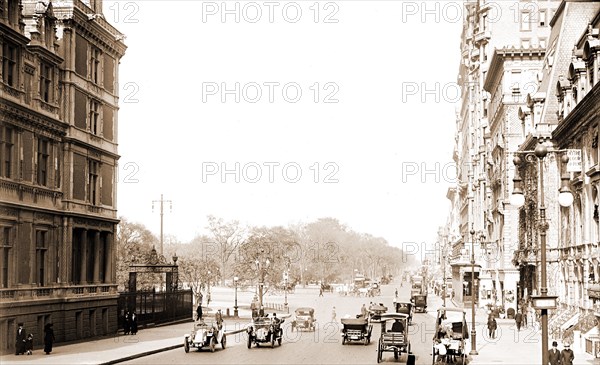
(162, 203)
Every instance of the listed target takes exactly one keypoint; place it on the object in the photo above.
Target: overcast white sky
(374, 61)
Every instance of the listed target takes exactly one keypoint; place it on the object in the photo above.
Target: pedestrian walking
(321, 291)
(48, 338)
(199, 312)
(525, 312)
(29, 344)
(364, 311)
(518, 320)
(554, 354)
(219, 319)
(134, 325)
(333, 315)
(492, 326)
(20, 340)
(200, 298)
(566, 355)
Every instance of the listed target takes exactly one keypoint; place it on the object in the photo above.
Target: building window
(4, 261)
(93, 169)
(94, 117)
(95, 65)
(41, 247)
(46, 83)
(6, 151)
(9, 64)
(525, 43)
(42, 162)
(543, 15)
(525, 21)
(49, 33)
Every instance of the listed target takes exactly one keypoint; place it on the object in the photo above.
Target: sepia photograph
(300, 182)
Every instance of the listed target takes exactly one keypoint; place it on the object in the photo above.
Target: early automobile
(450, 336)
(375, 311)
(356, 329)
(394, 337)
(265, 330)
(419, 302)
(405, 308)
(205, 334)
(305, 319)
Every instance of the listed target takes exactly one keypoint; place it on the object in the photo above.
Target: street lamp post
(444, 289)
(543, 302)
(235, 306)
(262, 263)
(208, 290)
(473, 331)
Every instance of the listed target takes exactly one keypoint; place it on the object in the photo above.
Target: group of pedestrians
(24, 340)
(564, 357)
(130, 325)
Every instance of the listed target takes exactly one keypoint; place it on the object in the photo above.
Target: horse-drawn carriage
(450, 336)
(356, 329)
(394, 337)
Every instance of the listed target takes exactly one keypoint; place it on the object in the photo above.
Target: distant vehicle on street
(356, 329)
(265, 330)
(205, 334)
(305, 319)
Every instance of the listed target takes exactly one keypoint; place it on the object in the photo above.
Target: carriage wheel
(279, 341)
(223, 342)
(379, 352)
(272, 340)
(249, 341)
(344, 340)
(213, 342)
(186, 346)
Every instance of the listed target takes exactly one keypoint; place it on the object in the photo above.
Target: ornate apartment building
(476, 221)
(58, 161)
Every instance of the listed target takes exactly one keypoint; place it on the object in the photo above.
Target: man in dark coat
(554, 354)
(134, 326)
(492, 326)
(199, 312)
(126, 323)
(20, 340)
(518, 320)
(567, 356)
(48, 338)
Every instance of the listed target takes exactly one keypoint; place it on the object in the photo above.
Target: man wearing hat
(554, 354)
(566, 355)
(20, 341)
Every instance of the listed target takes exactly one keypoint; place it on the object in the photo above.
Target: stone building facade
(487, 26)
(58, 153)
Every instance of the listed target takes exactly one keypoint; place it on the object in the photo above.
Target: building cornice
(586, 112)
(501, 55)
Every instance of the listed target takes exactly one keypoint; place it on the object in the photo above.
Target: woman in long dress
(48, 338)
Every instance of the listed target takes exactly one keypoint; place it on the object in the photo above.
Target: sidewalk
(118, 348)
(511, 346)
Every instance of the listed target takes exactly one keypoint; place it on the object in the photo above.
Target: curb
(156, 351)
(137, 356)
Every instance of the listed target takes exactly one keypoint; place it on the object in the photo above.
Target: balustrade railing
(56, 291)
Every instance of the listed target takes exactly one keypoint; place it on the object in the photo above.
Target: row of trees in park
(320, 251)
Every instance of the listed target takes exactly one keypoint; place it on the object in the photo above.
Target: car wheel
(186, 346)
(213, 342)
(223, 342)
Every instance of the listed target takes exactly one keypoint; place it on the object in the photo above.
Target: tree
(227, 236)
(134, 242)
(274, 244)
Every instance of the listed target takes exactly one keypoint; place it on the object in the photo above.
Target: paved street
(320, 347)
